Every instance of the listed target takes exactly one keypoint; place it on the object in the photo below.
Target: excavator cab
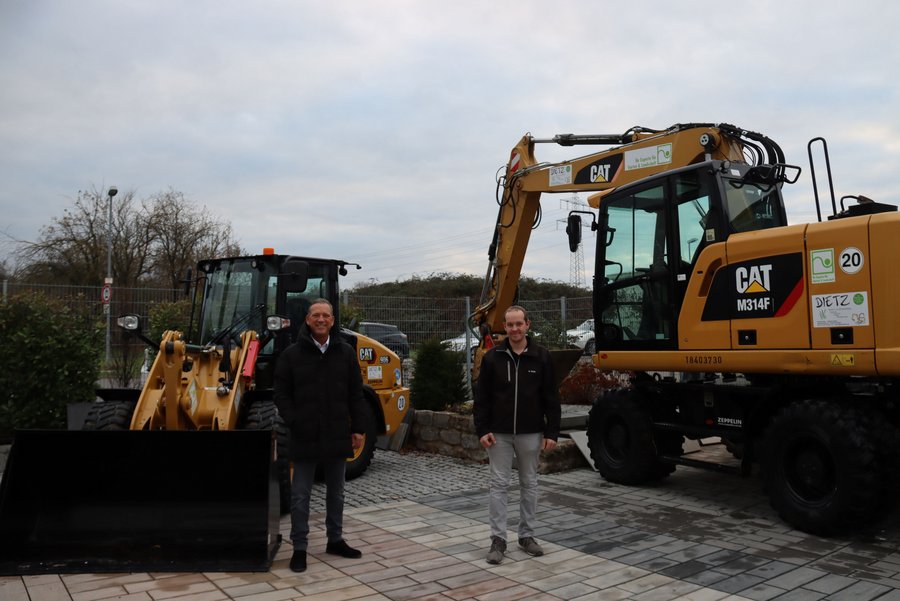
(656, 230)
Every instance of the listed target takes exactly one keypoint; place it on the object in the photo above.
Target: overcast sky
(373, 130)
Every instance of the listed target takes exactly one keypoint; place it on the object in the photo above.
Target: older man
(318, 392)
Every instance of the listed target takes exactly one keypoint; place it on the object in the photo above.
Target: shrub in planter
(438, 377)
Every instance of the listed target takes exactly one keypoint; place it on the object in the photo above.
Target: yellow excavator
(782, 340)
(189, 473)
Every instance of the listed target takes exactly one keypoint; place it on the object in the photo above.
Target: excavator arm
(638, 153)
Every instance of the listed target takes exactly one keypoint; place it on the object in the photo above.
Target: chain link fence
(420, 318)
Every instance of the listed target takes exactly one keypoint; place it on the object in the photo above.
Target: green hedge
(50, 356)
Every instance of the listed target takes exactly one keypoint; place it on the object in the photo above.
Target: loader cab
(652, 233)
(238, 293)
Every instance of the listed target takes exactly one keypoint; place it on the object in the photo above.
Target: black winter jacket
(319, 396)
(517, 399)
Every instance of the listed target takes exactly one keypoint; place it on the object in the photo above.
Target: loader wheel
(621, 441)
(820, 468)
(362, 456)
(263, 415)
(109, 415)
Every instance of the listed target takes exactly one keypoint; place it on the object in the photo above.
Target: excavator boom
(638, 153)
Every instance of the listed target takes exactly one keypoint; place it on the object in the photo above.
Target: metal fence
(420, 318)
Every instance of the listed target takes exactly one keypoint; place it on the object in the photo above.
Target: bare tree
(73, 248)
(184, 234)
(153, 241)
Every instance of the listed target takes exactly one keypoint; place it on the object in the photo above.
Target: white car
(582, 336)
(458, 343)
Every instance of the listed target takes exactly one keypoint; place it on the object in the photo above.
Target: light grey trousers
(527, 448)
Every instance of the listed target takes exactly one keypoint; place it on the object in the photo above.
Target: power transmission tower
(576, 260)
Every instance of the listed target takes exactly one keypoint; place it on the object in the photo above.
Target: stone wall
(453, 435)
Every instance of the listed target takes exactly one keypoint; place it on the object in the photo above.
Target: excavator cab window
(660, 229)
(635, 301)
(753, 206)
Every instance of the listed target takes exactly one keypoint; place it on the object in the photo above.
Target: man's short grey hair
(320, 301)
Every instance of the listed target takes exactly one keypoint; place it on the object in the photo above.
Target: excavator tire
(621, 440)
(109, 415)
(886, 436)
(820, 467)
(357, 466)
(263, 415)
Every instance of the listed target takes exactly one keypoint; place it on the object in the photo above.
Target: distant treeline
(454, 285)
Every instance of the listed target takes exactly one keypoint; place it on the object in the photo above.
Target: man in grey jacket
(516, 412)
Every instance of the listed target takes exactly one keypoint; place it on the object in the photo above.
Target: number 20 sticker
(851, 260)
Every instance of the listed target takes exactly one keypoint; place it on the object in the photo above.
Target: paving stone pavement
(421, 522)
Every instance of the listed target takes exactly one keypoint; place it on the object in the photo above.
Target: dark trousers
(301, 490)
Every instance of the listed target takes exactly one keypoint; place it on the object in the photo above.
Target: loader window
(637, 293)
(229, 296)
(318, 285)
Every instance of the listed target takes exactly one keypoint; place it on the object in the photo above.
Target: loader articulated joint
(170, 348)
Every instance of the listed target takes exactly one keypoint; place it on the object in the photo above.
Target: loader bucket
(138, 501)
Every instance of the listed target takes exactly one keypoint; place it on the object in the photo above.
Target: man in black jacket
(318, 392)
(516, 411)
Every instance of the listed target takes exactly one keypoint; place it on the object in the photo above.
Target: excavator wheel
(886, 436)
(621, 441)
(820, 467)
(362, 457)
(109, 415)
(263, 415)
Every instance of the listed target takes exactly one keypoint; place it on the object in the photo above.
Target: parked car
(582, 336)
(388, 335)
(458, 343)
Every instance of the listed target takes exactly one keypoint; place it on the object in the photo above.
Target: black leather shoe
(298, 561)
(343, 549)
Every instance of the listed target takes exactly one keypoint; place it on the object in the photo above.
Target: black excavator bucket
(100, 501)
(563, 362)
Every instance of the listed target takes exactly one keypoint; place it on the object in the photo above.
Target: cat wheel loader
(190, 472)
(781, 340)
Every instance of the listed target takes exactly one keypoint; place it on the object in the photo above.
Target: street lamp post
(109, 279)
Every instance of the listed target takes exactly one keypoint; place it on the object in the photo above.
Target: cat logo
(753, 279)
(599, 173)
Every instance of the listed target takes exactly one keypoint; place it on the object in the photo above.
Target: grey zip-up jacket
(517, 397)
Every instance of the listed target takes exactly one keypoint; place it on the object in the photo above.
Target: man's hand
(357, 440)
(487, 440)
(548, 444)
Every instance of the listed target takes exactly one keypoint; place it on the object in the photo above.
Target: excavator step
(125, 501)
